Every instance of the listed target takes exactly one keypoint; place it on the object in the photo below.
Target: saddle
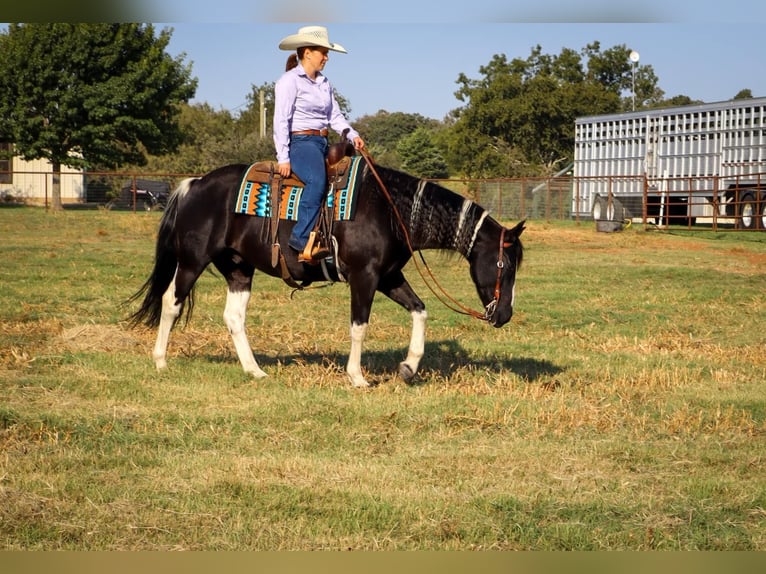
(338, 161)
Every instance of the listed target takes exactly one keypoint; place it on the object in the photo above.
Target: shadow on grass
(440, 360)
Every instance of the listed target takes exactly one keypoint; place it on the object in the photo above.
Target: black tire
(598, 210)
(602, 211)
(747, 212)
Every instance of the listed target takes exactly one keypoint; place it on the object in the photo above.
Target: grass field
(624, 407)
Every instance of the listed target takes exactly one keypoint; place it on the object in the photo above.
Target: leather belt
(322, 132)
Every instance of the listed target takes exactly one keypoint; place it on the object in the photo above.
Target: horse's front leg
(362, 293)
(397, 289)
(409, 367)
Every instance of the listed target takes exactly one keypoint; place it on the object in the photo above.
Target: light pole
(634, 56)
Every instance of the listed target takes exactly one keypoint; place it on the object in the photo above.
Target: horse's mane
(434, 215)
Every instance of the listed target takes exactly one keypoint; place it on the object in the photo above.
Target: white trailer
(680, 165)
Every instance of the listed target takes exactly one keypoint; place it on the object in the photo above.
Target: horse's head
(494, 261)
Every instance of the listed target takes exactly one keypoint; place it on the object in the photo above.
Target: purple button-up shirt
(304, 104)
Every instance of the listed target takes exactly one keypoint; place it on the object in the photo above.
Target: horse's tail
(165, 263)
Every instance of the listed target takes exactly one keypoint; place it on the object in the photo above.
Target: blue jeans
(307, 160)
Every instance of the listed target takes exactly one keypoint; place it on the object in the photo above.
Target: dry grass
(623, 408)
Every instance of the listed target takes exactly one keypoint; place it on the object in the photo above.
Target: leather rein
(451, 302)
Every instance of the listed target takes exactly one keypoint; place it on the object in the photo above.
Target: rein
(452, 303)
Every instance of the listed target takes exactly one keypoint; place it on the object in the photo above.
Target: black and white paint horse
(396, 215)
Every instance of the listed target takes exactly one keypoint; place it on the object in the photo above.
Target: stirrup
(312, 253)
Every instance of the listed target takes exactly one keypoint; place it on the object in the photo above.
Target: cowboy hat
(310, 36)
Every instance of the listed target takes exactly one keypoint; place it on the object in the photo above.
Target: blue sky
(406, 55)
(413, 66)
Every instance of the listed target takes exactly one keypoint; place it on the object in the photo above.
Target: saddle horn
(338, 151)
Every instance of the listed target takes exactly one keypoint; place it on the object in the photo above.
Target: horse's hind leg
(172, 304)
(239, 279)
(171, 309)
(234, 316)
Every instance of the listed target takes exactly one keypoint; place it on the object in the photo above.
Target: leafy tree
(420, 156)
(523, 111)
(81, 95)
(679, 100)
(383, 131)
(248, 125)
(745, 94)
(206, 141)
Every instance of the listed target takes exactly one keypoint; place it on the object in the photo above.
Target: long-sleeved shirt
(304, 104)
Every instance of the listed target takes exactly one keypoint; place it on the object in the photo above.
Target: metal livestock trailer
(682, 164)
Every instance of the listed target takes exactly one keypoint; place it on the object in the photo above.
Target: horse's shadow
(440, 361)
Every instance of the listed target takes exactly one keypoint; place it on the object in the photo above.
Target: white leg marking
(417, 346)
(234, 316)
(170, 312)
(354, 365)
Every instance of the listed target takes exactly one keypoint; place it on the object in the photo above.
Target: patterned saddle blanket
(255, 191)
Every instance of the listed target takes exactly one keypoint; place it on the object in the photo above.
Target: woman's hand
(358, 143)
(284, 169)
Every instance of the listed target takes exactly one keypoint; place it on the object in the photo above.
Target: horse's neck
(441, 219)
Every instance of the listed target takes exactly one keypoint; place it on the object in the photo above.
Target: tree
(679, 100)
(525, 109)
(420, 156)
(383, 131)
(81, 95)
(206, 142)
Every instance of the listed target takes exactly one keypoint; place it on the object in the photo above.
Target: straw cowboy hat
(310, 36)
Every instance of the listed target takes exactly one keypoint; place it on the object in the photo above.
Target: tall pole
(634, 57)
(263, 114)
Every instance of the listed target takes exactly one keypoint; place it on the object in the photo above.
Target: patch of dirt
(98, 337)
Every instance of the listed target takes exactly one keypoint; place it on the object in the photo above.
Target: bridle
(452, 303)
(489, 310)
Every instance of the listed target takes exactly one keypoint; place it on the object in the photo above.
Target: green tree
(680, 100)
(206, 142)
(248, 128)
(81, 95)
(519, 116)
(383, 131)
(420, 156)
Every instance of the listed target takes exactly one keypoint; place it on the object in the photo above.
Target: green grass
(622, 408)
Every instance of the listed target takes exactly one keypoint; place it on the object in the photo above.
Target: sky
(413, 66)
(406, 55)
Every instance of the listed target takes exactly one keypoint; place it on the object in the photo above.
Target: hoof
(406, 373)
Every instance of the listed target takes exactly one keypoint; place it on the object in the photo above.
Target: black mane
(436, 217)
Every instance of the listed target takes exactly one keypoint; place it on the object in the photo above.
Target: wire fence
(685, 203)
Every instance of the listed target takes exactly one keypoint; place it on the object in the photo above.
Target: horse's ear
(516, 231)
